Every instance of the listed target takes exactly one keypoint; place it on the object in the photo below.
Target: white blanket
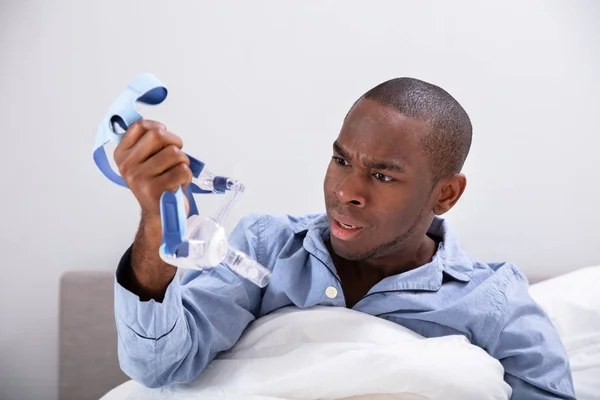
(336, 353)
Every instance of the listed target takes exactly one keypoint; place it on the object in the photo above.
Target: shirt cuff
(148, 319)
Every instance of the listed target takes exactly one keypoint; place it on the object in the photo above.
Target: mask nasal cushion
(207, 242)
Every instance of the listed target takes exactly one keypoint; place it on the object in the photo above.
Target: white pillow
(572, 301)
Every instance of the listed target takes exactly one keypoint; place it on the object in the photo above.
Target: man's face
(378, 183)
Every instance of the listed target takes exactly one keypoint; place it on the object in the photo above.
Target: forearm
(153, 337)
(200, 314)
(149, 276)
(173, 341)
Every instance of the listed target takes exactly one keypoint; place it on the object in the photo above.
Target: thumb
(187, 205)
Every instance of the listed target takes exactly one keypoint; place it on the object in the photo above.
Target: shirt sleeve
(202, 313)
(527, 344)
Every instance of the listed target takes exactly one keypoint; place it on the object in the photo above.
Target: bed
(89, 368)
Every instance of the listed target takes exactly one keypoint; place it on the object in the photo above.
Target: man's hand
(151, 162)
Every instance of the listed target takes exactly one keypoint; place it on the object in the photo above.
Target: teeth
(347, 226)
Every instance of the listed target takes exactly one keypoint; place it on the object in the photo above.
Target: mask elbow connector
(244, 265)
(209, 182)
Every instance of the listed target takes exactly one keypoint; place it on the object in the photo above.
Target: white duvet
(336, 353)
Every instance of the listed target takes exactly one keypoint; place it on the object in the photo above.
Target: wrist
(151, 274)
(151, 220)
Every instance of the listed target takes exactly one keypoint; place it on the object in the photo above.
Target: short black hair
(449, 142)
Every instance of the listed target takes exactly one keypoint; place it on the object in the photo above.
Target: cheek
(396, 208)
(329, 180)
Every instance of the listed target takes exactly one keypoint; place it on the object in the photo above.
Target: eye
(340, 161)
(382, 178)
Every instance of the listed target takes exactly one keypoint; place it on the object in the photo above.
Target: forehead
(373, 130)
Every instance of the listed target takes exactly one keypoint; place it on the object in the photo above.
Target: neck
(410, 256)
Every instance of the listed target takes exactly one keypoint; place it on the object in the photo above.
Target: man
(380, 248)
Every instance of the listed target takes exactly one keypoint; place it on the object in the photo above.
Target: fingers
(151, 162)
(148, 191)
(137, 130)
(151, 143)
(179, 175)
(146, 137)
(165, 159)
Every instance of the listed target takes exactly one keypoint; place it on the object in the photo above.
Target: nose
(351, 191)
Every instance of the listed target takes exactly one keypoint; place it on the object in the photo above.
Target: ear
(448, 192)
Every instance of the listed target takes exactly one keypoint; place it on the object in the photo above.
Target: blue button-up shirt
(205, 312)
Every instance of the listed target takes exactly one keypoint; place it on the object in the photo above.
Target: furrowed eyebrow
(373, 164)
(380, 165)
(339, 150)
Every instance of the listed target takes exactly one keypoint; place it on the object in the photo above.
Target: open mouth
(345, 231)
(350, 227)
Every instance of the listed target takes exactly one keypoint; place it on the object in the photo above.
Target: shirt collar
(455, 262)
(448, 259)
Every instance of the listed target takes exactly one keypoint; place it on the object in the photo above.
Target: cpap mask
(191, 242)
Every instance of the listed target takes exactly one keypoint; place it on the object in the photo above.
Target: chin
(342, 250)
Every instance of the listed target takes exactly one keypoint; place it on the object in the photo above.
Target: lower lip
(342, 233)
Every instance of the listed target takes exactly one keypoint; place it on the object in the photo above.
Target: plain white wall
(258, 90)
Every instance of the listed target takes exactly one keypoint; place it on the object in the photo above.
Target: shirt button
(331, 292)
